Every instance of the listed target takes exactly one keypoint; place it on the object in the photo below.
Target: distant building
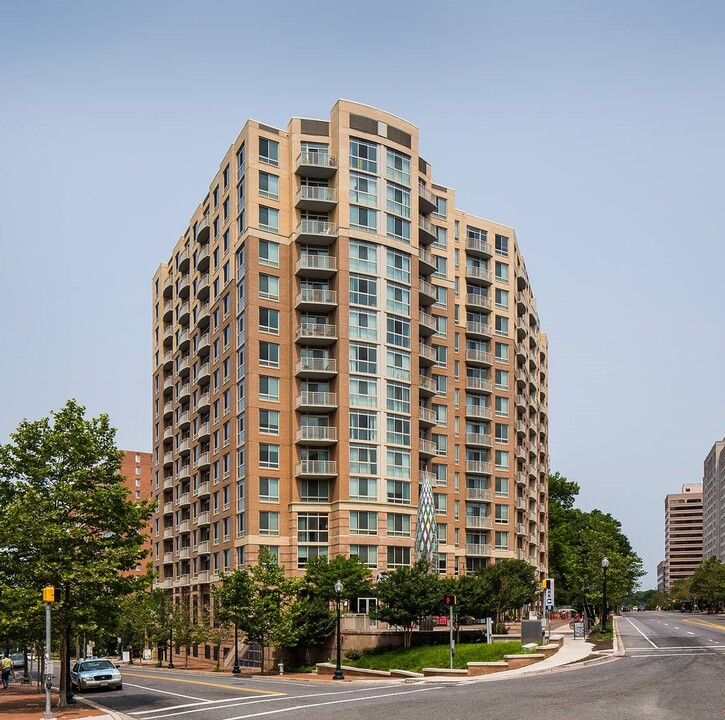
(136, 468)
(662, 575)
(683, 534)
(713, 482)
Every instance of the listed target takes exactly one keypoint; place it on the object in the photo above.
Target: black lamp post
(338, 670)
(605, 565)
(171, 642)
(235, 669)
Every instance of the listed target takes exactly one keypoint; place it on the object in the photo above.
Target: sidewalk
(24, 702)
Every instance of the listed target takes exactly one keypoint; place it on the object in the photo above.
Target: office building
(330, 334)
(683, 533)
(136, 468)
(713, 482)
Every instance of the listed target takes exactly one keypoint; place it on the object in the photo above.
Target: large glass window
(268, 354)
(269, 422)
(363, 156)
(398, 557)
(268, 286)
(313, 490)
(363, 489)
(268, 185)
(269, 489)
(312, 528)
(363, 392)
(363, 324)
(269, 388)
(398, 397)
(398, 464)
(363, 460)
(398, 266)
(397, 166)
(268, 151)
(398, 365)
(367, 554)
(398, 229)
(398, 298)
(363, 522)
(268, 522)
(398, 331)
(398, 430)
(363, 425)
(363, 358)
(268, 218)
(269, 320)
(398, 200)
(363, 190)
(398, 525)
(268, 253)
(363, 257)
(362, 218)
(268, 455)
(363, 291)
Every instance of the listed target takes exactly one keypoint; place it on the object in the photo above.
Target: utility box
(532, 631)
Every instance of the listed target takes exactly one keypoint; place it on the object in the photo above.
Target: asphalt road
(672, 670)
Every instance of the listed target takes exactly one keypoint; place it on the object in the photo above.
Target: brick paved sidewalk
(24, 702)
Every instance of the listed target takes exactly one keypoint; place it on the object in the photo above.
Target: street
(672, 670)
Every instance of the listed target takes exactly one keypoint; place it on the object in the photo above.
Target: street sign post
(48, 598)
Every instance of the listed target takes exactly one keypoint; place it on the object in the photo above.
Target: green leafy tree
(313, 620)
(681, 592)
(260, 600)
(66, 519)
(407, 596)
(321, 575)
(708, 583)
(511, 584)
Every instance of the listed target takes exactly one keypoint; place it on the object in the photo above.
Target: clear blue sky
(601, 142)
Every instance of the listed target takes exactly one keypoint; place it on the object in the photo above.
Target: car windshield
(96, 665)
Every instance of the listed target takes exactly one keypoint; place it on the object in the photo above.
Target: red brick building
(136, 468)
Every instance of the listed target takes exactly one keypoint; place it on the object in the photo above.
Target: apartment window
(398, 557)
(312, 528)
(268, 151)
(441, 210)
(363, 358)
(362, 218)
(398, 525)
(502, 379)
(441, 325)
(397, 266)
(367, 554)
(441, 442)
(363, 522)
(440, 501)
(398, 200)
(398, 397)
(268, 522)
(268, 354)
(441, 240)
(441, 266)
(398, 430)
(363, 291)
(363, 393)
(441, 355)
(502, 299)
(502, 540)
(226, 177)
(398, 365)
(398, 229)
(363, 156)
(314, 491)
(269, 388)
(398, 298)
(502, 487)
(363, 190)
(306, 553)
(363, 425)
(363, 257)
(268, 287)
(441, 296)
(398, 464)
(268, 218)
(363, 489)
(268, 455)
(363, 325)
(502, 459)
(398, 331)
(269, 320)
(398, 167)
(363, 460)
(502, 433)
(269, 422)
(502, 325)
(502, 272)
(502, 352)
(502, 245)
(441, 382)
(269, 489)
(268, 253)
(268, 185)
(502, 514)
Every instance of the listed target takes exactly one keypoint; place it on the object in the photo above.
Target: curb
(115, 714)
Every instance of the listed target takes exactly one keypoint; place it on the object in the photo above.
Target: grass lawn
(437, 656)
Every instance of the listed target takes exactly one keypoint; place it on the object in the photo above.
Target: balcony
(168, 384)
(316, 232)
(168, 314)
(520, 428)
(202, 259)
(202, 287)
(184, 499)
(478, 494)
(317, 468)
(202, 577)
(478, 412)
(168, 361)
(182, 581)
(317, 267)
(318, 334)
(203, 461)
(520, 453)
(476, 384)
(317, 199)
(168, 337)
(184, 447)
(203, 489)
(479, 440)
(184, 526)
(203, 548)
(184, 472)
(168, 558)
(168, 288)
(203, 518)
(521, 404)
(322, 401)
(520, 529)
(477, 550)
(184, 258)
(168, 459)
(203, 315)
(184, 552)
(426, 262)
(479, 274)
(522, 282)
(427, 417)
(316, 165)
(520, 503)
(203, 375)
(432, 478)
(521, 329)
(169, 481)
(164, 583)
(184, 392)
(184, 340)
(183, 367)
(317, 435)
(316, 367)
(428, 324)
(168, 434)
(168, 533)
(168, 508)
(203, 403)
(522, 377)
(427, 202)
(427, 448)
(183, 287)
(202, 229)
(168, 409)
(478, 302)
(479, 357)
(311, 299)
(184, 312)
(426, 292)
(426, 355)
(479, 329)
(478, 522)
(426, 386)
(521, 304)
(521, 479)
(479, 467)
(426, 231)
(478, 247)
(203, 346)
(203, 432)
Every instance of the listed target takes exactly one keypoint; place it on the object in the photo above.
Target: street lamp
(338, 670)
(235, 669)
(171, 641)
(605, 565)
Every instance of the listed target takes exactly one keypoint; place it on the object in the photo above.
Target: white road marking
(676, 647)
(205, 703)
(690, 632)
(675, 627)
(659, 655)
(166, 692)
(641, 633)
(667, 624)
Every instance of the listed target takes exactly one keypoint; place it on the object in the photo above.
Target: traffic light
(49, 594)
(450, 600)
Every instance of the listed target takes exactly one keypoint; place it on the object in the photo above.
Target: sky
(600, 139)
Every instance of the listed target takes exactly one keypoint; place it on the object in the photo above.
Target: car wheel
(119, 686)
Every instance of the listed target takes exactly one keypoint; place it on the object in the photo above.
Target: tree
(66, 519)
(681, 591)
(708, 582)
(407, 595)
(260, 600)
(321, 575)
(511, 584)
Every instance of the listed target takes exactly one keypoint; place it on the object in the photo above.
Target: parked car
(95, 673)
(18, 660)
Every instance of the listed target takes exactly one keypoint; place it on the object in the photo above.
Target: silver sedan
(95, 673)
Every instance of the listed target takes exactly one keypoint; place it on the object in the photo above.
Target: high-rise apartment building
(713, 483)
(136, 468)
(331, 334)
(683, 533)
